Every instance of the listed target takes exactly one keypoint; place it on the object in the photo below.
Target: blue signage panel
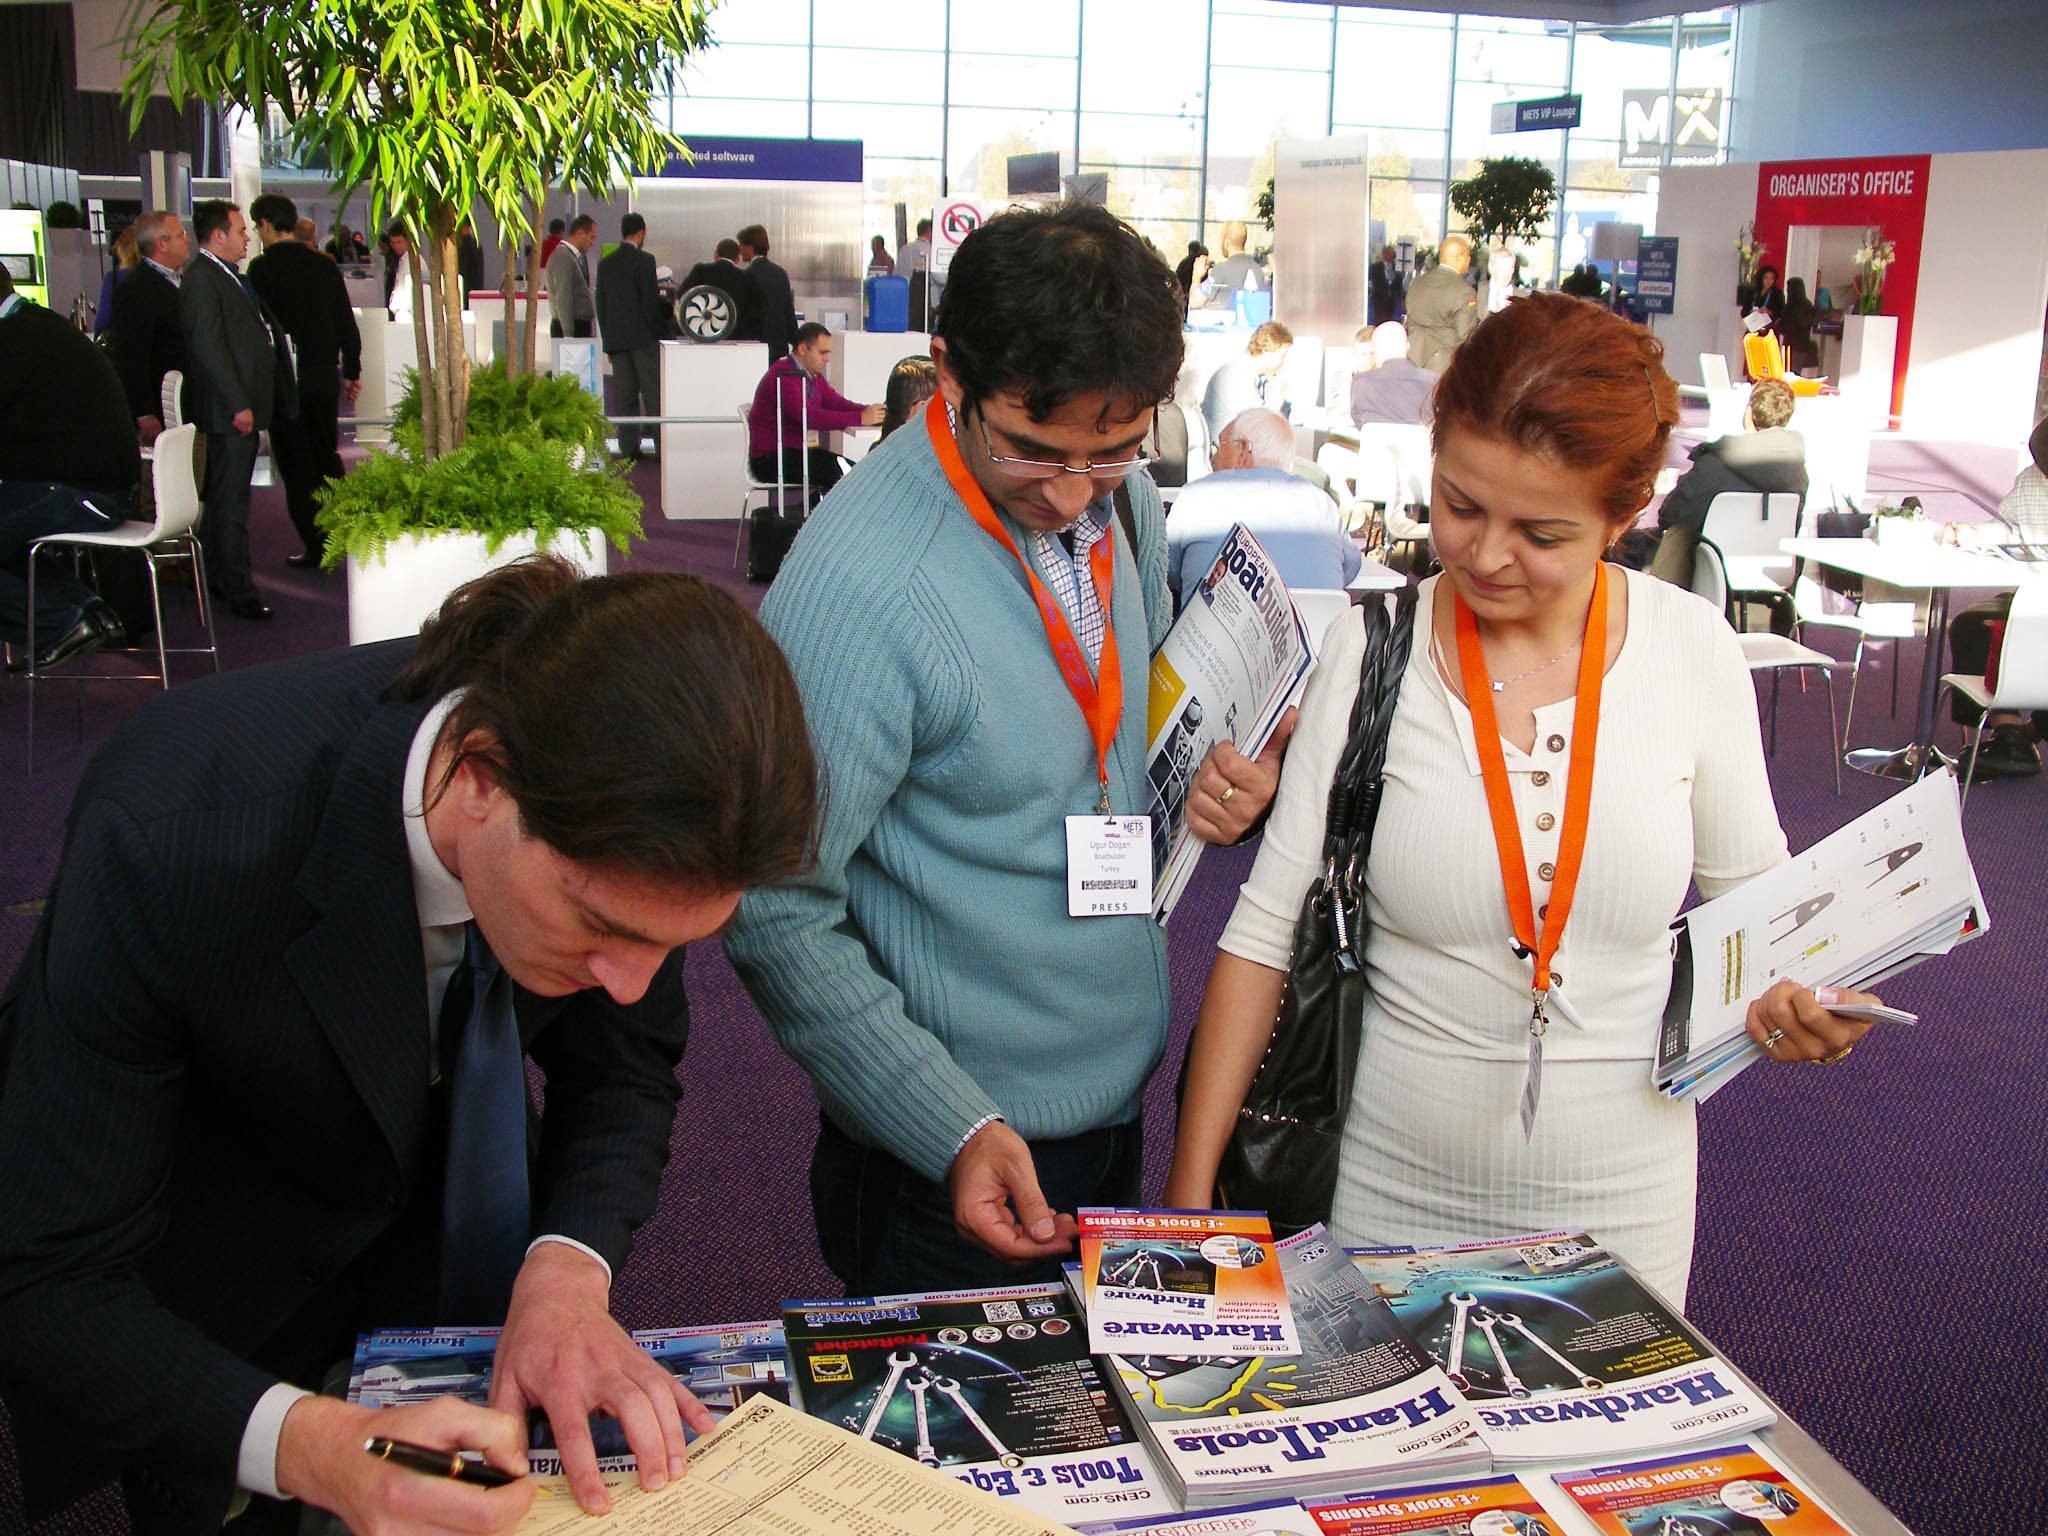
(1657, 274)
(1535, 116)
(767, 160)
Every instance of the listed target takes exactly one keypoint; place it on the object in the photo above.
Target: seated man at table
(1251, 378)
(793, 399)
(1395, 390)
(2022, 521)
(1769, 457)
(68, 464)
(1297, 523)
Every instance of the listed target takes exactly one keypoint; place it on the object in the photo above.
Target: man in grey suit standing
(632, 321)
(243, 366)
(1442, 308)
(569, 280)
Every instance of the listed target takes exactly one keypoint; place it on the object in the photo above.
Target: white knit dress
(1434, 1150)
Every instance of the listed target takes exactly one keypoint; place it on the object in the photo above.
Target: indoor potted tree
(436, 106)
(1505, 200)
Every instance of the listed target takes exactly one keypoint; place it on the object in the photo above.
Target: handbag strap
(1355, 790)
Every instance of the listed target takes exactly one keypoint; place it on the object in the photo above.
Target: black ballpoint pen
(435, 1463)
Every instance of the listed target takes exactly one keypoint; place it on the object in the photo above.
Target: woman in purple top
(794, 400)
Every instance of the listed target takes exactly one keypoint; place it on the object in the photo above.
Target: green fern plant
(498, 485)
(555, 406)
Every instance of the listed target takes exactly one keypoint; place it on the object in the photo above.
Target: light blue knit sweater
(928, 975)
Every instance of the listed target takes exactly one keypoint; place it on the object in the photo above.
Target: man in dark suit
(244, 368)
(632, 321)
(68, 464)
(1769, 457)
(778, 301)
(725, 273)
(1384, 289)
(264, 1079)
(307, 294)
(148, 340)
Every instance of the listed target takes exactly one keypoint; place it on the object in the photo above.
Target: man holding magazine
(970, 617)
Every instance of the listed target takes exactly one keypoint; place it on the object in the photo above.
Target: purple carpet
(1868, 1247)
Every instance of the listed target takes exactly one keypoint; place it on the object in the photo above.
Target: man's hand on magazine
(1793, 1024)
(1231, 791)
(997, 1202)
(561, 1352)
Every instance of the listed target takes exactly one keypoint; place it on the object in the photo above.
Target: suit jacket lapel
(360, 966)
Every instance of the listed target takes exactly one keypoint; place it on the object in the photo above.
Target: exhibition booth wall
(1969, 290)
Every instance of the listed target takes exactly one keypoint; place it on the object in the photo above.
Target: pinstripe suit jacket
(216, 1070)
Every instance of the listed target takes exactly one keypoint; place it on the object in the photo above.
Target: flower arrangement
(1871, 258)
(1749, 255)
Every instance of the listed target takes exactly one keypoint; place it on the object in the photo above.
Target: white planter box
(395, 595)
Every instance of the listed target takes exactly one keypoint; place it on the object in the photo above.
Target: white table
(1937, 570)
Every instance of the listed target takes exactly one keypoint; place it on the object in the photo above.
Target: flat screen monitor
(1035, 173)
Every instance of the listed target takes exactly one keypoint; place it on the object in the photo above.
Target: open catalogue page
(768, 1470)
(1227, 670)
(1892, 888)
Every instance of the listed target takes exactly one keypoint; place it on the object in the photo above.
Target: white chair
(1727, 401)
(172, 399)
(772, 490)
(1201, 447)
(1883, 623)
(2022, 668)
(1772, 654)
(1319, 608)
(1396, 461)
(1748, 529)
(177, 513)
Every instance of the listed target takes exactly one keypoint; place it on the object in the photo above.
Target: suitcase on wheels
(771, 529)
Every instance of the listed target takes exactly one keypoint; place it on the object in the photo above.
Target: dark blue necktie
(485, 1214)
(248, 289)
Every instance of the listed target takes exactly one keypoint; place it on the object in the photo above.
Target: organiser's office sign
(1535, 116)
(1690, 123)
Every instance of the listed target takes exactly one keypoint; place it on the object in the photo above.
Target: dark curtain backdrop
(45, 118)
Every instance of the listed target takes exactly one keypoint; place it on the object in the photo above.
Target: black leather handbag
(1282, 1155)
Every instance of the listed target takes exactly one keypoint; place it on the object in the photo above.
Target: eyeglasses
(1044, 469)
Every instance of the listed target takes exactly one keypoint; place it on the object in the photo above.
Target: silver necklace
(1501, 686)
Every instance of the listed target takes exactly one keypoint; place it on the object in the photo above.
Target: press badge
(1109, 866)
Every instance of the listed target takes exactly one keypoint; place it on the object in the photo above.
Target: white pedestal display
(861, 361)
(375, 399)
(388, 350)
(486, 314)
(861, 364)
(394, 596)
(704, 465)
(1869, 345)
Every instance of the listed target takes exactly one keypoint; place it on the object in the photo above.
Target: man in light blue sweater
(980, 1055)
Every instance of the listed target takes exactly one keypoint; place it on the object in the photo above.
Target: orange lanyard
(1578, 793)
(1101, 701)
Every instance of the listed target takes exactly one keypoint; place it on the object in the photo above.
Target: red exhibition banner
(1885, 192)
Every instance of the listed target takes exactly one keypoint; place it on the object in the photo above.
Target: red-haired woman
(1474, 1113)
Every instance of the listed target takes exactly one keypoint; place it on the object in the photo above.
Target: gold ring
(1228, 791)
(1841, 1055)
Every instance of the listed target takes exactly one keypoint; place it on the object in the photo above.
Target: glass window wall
(1180, 102)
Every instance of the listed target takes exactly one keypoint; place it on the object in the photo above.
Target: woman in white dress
(1476, 1114)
